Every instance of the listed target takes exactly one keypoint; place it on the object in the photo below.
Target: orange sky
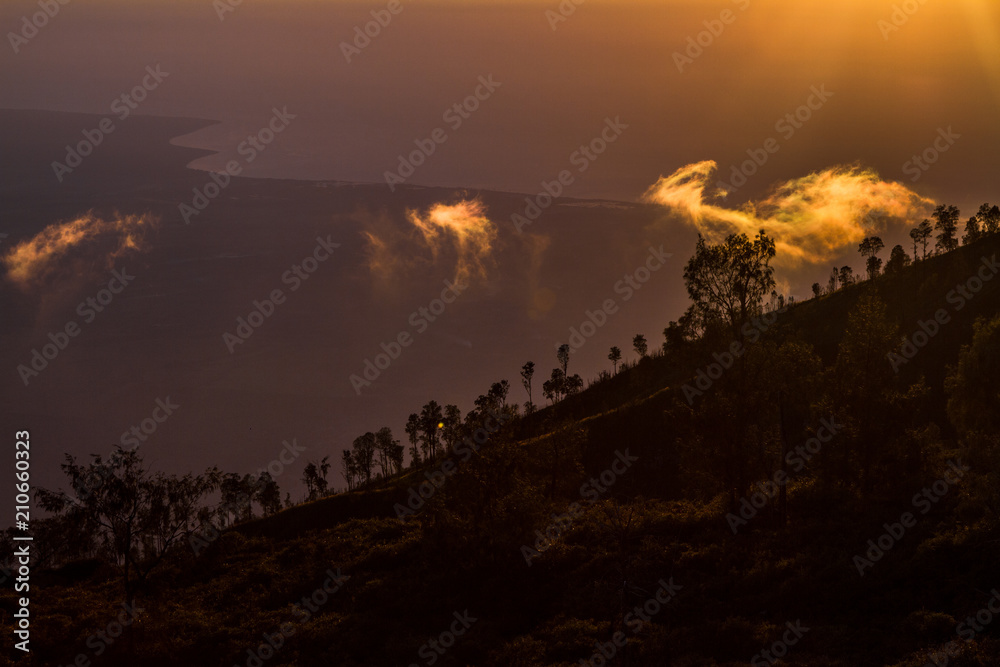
(893, 89)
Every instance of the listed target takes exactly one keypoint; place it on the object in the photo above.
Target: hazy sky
(892, 89)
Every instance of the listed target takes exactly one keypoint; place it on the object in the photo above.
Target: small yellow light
(440, 424)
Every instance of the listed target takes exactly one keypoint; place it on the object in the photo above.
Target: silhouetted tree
(350, 469)
(562, 355)
(989, 219)
(921, 234)
(898, 260)
(972, 231)
(831, 285)
(268, 494)
(365, 447)
(135, 516)
(493, 401)
(528, 372)
(554, 387)
(946, 226)
(430, 427)
(727, 281)
(324, 468)
(639, 343)
(614, 356)
(680, 332)
(314, 476)
(873, 266)
(386, 446)
(777, 302)
(236, 493)
(846, 276)
(869, 249)
(817, 290)
(396, 457)
(452, 426)
(499, 391)
(413, 433)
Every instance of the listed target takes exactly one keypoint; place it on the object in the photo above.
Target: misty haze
(500, 333)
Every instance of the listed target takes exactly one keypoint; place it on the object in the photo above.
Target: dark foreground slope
(657, 525)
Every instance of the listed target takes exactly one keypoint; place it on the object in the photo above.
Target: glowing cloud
(460, 232)
(380, 256)
(66, 249)
(812, 219)
(465, 227)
